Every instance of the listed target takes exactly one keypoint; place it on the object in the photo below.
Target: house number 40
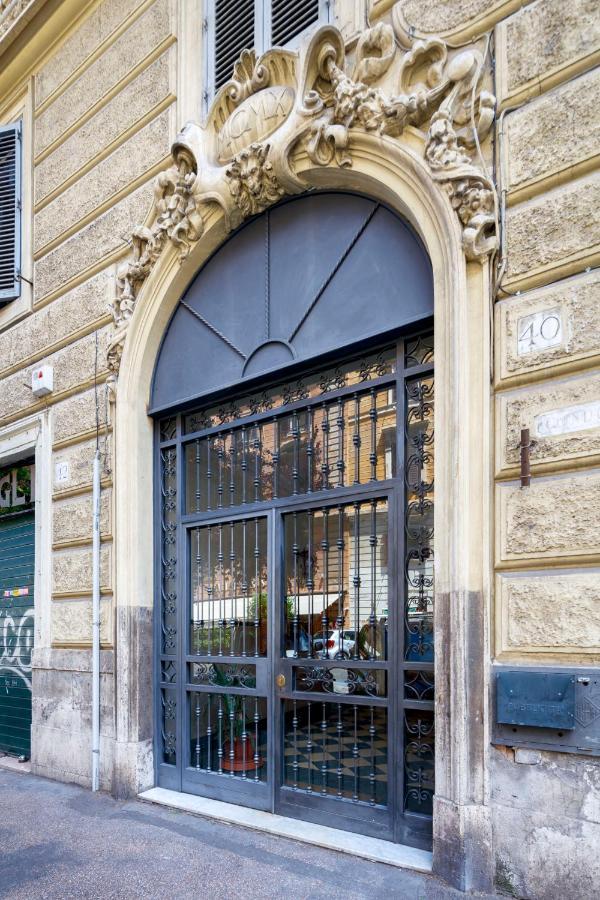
(540, 330)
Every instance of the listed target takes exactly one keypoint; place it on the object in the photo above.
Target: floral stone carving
(314, 101)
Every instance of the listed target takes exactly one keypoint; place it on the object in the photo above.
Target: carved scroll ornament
(315, 100)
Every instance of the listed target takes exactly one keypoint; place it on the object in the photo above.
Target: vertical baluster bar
(356, 439)
(355, 756)
(340, 752)
(209, 732)
(325, 548)
(276, 456)
(309, 748)
(373, 420)
(257, 591)
(220, 733)
(197, 458)
(310, 584)
(221, 562)
(324, 749)
(244, 588)
(372, 773)
(244, 738)
(295, 743)
(209, 473)
(233, 592)
(257, 447)
(296, 453)
(296, 615)
(233, 465)
(199, 604)
(341, 425)
(325, 463)
(210, 590)
(373, 552)
(356, 577)
(220, 470)
(244, 462)
(310, 449)
(231, 702)
(256, 750)
(197, 731)
(339, 622)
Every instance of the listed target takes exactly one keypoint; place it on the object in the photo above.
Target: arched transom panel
(305, 278)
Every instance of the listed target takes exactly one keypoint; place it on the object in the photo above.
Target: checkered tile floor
(341, 761)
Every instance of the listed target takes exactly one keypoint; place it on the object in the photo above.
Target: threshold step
(319, 835)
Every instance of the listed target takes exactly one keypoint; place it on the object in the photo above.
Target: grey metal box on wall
(553, 709)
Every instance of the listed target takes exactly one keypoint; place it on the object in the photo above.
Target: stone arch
(395, 173)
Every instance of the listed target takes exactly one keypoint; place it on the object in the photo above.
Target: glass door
(339, 635)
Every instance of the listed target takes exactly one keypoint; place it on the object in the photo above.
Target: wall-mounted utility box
(42, 381)
(547, 709)
(539, 699)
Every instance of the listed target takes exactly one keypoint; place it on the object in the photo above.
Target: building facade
(241, 243)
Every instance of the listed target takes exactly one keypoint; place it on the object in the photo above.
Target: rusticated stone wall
(105, 111)
(103, 121)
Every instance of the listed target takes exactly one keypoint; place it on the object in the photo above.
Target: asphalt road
(61, 841)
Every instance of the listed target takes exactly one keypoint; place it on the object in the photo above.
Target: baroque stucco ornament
(314, 100)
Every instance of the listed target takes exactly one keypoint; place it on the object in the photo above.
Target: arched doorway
(294, 622)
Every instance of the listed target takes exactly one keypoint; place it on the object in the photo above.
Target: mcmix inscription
(256, 118)
(568, 419)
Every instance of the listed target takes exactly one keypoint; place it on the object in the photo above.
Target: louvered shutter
(10, 211)
(290, 17)
(234, 32)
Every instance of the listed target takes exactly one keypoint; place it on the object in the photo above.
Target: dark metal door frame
(393, 823)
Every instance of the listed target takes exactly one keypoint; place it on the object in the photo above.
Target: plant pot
(238, 763)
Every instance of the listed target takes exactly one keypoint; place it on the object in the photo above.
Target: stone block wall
(104, 108)
(546, 596)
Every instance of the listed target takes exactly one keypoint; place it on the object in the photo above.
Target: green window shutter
(289, 18)
(10, 212)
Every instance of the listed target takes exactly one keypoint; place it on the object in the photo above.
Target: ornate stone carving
(252, 182)
(10, 10)
(315, 101)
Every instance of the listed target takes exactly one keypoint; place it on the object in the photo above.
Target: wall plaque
(254, 119)
(568, 419)
(540, 331)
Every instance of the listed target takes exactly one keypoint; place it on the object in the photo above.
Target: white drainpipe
(96, 624)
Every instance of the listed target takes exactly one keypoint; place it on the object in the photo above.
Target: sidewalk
(59, 842)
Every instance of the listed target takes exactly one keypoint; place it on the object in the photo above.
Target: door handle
(280, 681)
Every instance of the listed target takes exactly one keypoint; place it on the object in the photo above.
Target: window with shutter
(10, 211)
(235, 25)
(289, 18)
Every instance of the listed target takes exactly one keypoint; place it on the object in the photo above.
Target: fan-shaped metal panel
(308, 277)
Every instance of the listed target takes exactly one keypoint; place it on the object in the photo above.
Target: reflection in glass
(338, 750)
(350, 440)
(336, 578)
(228, 572)
(228, 735)
(338, 680)
(356, 372)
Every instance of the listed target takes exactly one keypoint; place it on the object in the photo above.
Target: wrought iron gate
(295, 623)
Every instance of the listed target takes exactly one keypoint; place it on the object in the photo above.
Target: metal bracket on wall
(530, 694)
(525, 446)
